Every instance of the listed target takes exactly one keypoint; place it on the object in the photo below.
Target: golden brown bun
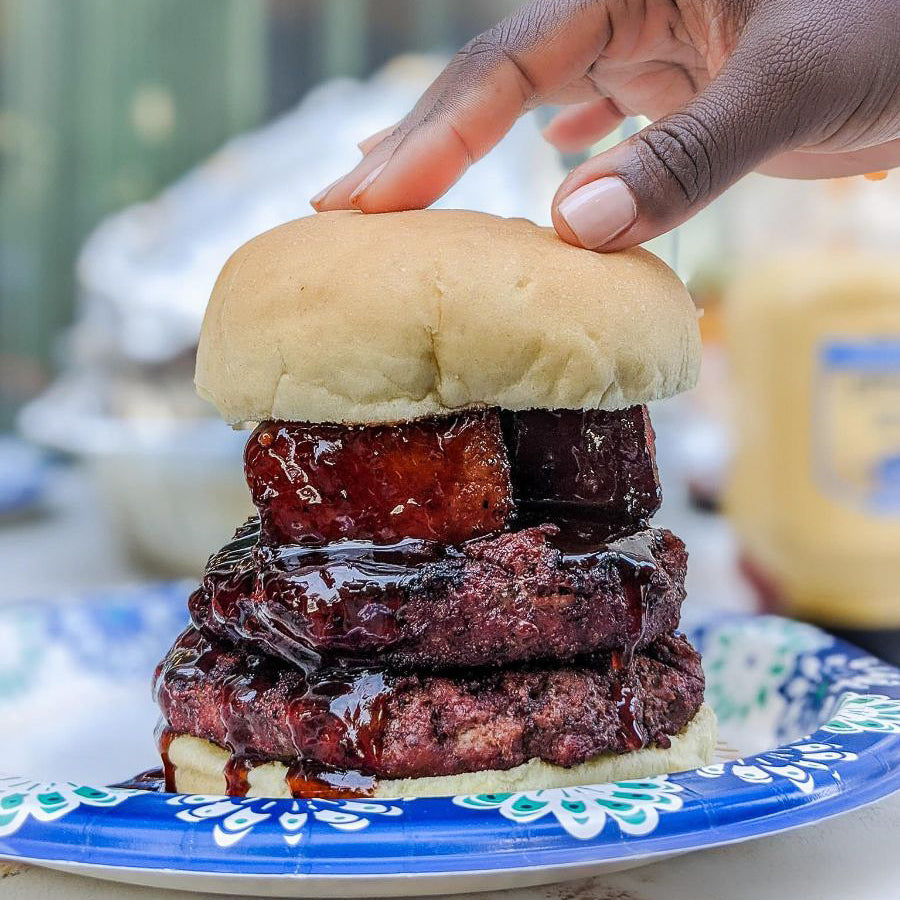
(199, 768)
(346, 317)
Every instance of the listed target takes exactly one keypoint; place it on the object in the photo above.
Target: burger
(452, 584)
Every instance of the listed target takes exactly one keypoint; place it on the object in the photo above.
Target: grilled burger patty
(414, 725)
(538, 593)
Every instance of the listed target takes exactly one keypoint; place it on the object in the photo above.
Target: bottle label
(856, 449)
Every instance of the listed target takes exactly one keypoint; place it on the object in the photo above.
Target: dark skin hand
(798, 88)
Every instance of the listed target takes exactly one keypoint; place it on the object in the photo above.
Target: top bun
(361, 318)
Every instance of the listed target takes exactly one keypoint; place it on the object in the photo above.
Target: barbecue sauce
(629, 730)
(345, 599)
(586, 542)
(443, 479)
(164, 741)
(597, 461)
(338, 707)
(305, 779)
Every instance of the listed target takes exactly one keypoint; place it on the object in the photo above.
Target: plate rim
(568, 871)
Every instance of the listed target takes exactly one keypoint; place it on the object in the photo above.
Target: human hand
(807, 89)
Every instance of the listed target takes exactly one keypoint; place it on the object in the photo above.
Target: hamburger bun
(362, 319)
(199, 768)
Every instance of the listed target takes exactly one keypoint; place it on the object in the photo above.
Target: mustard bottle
(814, 495)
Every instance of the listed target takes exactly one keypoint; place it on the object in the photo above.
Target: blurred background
(141, 141)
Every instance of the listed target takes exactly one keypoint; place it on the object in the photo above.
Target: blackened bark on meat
(602, 462)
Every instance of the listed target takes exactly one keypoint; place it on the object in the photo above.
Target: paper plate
(815, 724)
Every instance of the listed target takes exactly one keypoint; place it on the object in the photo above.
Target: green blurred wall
(102, 102)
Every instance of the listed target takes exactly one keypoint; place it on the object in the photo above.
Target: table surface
(852, 857)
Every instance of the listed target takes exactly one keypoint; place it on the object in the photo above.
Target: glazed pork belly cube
(441, 479)
(602, 463)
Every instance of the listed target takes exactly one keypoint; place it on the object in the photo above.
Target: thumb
(762, 102)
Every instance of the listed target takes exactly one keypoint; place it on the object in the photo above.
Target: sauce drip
(636, 613)
(236, 772)
(333, 712)
(164, 740)
(307, 778)
(338, 600)
(586, 542)
(629, 730)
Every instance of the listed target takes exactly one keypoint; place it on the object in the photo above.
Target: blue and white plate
(816, 724)
(23, 473)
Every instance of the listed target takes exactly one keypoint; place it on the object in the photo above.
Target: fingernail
(599, 211)
(366, 182)
(318, 198)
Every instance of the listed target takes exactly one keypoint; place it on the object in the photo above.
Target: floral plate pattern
(817, 722)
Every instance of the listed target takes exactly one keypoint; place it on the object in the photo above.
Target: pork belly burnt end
(603, 462)
(443, 479)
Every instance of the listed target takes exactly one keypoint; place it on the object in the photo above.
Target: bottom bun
(199, 768)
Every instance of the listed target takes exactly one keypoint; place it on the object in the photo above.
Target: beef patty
(541, 592)
(408, 726)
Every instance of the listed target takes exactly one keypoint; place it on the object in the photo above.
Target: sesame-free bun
(361, 318)
(199, 768)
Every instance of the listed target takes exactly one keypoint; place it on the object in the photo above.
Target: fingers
(434, 152)
(803, 164)
(577, 127)
(373, 140)
(431, 148)
(762, 103)
(472, 104)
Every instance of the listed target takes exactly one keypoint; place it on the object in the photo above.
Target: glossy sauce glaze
(601, 462)
(329, 567)
(585, 542)
(304, 778)
(164, 738)
(341, 707)
(629, 731)
(346, 600)
(333, 726)
(443, 479)
(342, 597)
(341, 566)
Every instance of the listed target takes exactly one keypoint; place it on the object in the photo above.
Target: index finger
(472, 104)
